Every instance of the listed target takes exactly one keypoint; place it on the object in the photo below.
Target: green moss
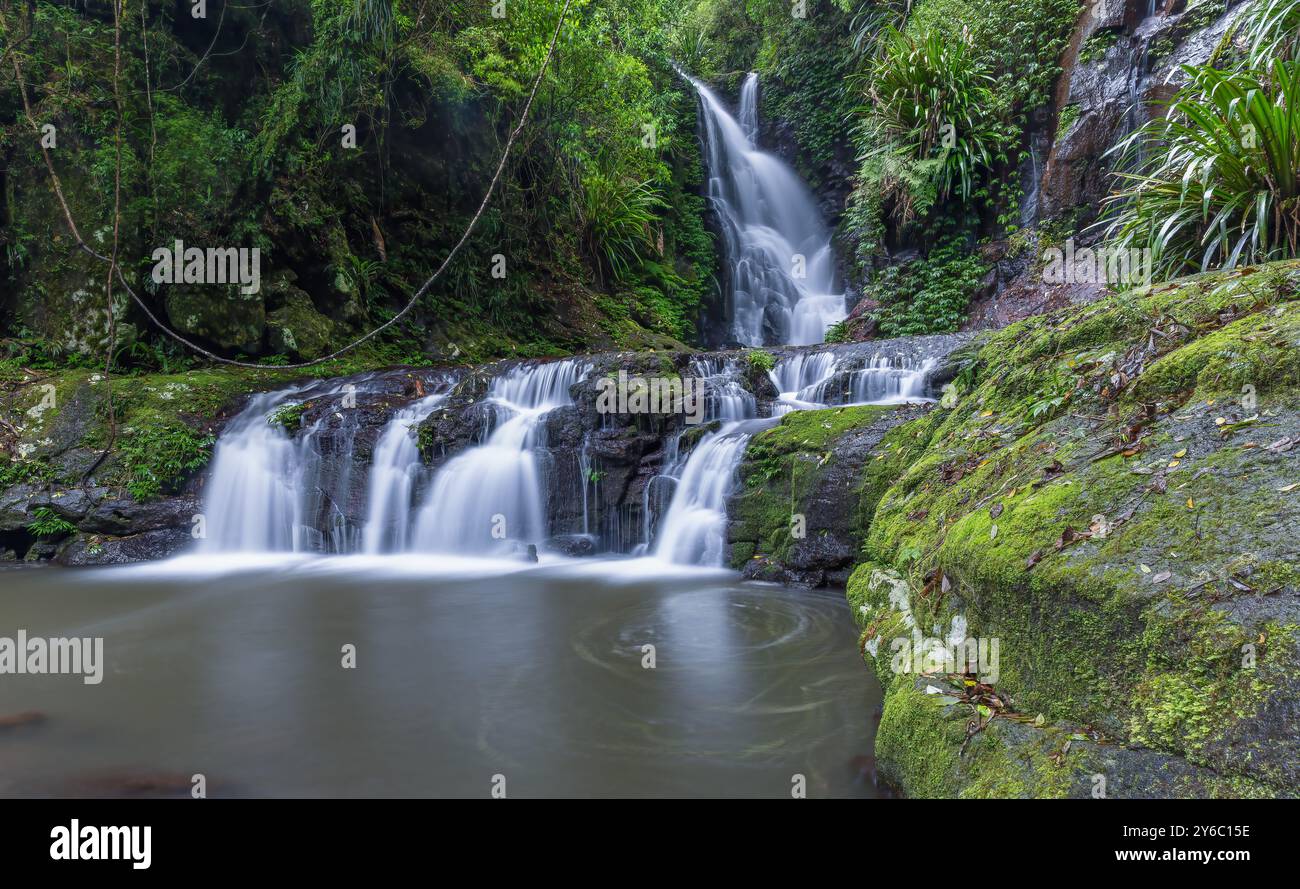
(296, 328)
(158, 458)
(1259, 351)
(919, 746)
(781, 469)
(1098, 569)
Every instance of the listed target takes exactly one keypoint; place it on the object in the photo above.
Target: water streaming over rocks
(813, 380)
(492, 496)
(693, 530)
(394, 475)
(776, 245)
(516, 459)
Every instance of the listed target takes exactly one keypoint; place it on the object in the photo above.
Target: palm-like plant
(1219, 180)
(616, 214)
(1272, 30)
(930, 100)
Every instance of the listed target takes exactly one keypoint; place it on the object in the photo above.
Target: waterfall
(394, 474)
(251, 502)
(725, 398)
(494, 494)
(268, 492)
(693, 531)
(813, 380)
(801, 380)
(1029, 203)
(890, 380)
(776, 245)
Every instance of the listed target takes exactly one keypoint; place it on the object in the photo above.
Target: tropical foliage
(1215, 182)
(930, 98)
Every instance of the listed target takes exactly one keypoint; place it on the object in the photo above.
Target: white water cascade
(269, 492)
(693, 531)
(251, 502)
(491, 497)
(813, 380)
(776, 244)
(394, 475)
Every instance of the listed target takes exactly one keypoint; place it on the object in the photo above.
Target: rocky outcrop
(1120, 66)
(63, 497)
(806, 488)
(1110, 500)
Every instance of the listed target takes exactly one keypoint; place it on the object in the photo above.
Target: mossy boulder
(1113, 495)
(807, 488)
(296, 328)
(219, 314)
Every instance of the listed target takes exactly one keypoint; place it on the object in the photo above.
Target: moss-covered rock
(219, 314)
(1114, 497)
(296, 328)
(808, 487)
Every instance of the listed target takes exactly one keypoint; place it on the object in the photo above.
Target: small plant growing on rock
(760, 360)
(838, 332)
(289, 417)
(47, 524)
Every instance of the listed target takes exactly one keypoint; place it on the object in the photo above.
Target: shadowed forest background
(924, 129)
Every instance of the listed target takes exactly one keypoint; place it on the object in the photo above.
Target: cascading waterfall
(252, 501)
(693, 531)
(724, 397)
(492, 497)
(268, 492)
(394, 475)
(801, 380)
(890, 380)
(775, 242)
(812, 380)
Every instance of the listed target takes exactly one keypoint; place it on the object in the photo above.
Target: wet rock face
(1123, 64)
(103, 549)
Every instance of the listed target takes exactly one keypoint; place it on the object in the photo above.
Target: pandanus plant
(1216, 181)
(1272, 30)
(929, 104)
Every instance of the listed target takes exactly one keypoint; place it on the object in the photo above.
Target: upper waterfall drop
(776, 245)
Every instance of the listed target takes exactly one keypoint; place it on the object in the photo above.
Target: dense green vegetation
(351, 141)
(236, 132)
(1217, 178)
